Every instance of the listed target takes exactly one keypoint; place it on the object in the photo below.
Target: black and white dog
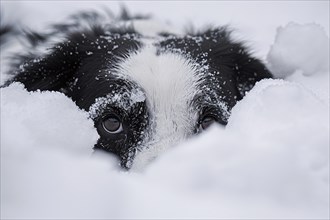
(146, 87)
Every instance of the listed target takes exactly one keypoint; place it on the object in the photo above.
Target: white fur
(170, 83)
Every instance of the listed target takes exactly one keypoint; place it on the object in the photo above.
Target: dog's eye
(112, 124)
(207, 122)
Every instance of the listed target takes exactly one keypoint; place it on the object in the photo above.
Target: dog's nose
(166, 130)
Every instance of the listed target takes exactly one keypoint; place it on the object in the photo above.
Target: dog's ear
(50, 59)
(217, 48)
(247, 69)
(52, 71)
(233, 58)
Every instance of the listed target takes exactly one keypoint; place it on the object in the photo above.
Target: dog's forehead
(171, 79)
(171, 71)
(165, 75)
(170, 82)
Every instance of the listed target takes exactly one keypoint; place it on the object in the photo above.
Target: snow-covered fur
(147, 87)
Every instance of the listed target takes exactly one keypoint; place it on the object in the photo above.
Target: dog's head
(144, 93)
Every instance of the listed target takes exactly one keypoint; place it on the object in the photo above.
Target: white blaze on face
(170, 83)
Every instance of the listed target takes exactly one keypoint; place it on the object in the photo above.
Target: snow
(299, 47)
(123, 100)
(44, 120)
(300, 51)
(271, 161)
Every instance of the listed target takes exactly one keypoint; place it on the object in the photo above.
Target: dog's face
(145, 93)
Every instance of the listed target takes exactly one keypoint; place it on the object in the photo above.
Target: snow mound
(299, 47)
(44, 120)
(271, 161)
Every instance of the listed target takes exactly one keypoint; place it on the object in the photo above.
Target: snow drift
(304, 47)
(271, 161)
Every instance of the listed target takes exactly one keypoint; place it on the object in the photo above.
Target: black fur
(228, 62)
(81, 67)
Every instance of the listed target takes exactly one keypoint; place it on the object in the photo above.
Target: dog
(146, 87)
